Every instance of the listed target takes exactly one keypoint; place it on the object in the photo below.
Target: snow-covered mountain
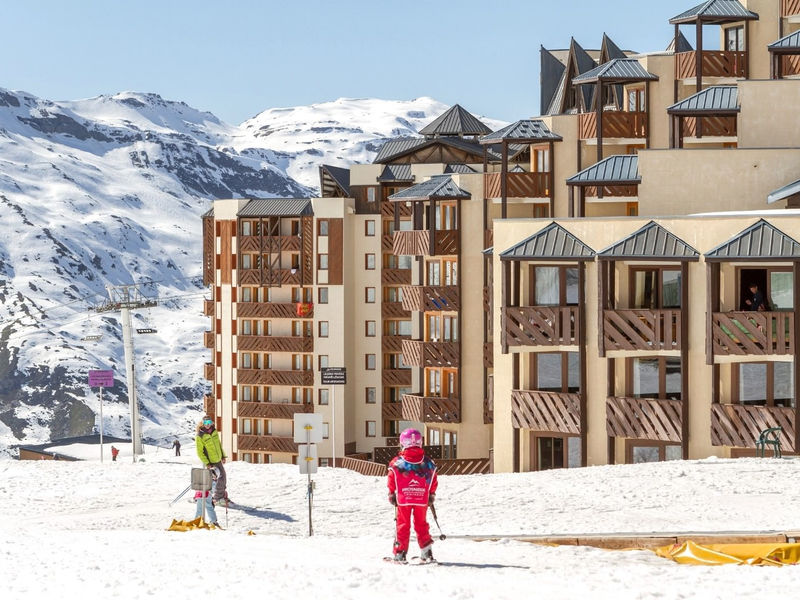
(109, 191)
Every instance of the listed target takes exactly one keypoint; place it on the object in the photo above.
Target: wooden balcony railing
(427, 409)
(394, 310)
(269, 244)
(208, 339)
(642, 329)
(462, 466)
(396, 377)
(393, 343)
(208, 308)
(711, 126)
(488, 406)
(387, 242)
(396, 276)
(790, 63)
(546, 411)
(209, 371)
(383, 454)
(488, 238)
(541, 325)
(428, 298)
(790, 8)
(274, 377)
(745, 333)
(644, 419)
(431, 354)
(271, 410)
(739, 426)
(518, 185)
(266, 277)
(392, 411)
(488, 355)
(715, 63)
(418, 243)
(266, 443)
(364, 467)
(271, 310)
(613, 191)
(268, 343)
(388, 209)
(616, 124)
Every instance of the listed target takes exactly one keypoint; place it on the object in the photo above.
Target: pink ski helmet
(411, 437)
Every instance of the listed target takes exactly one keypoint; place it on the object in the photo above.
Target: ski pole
(435, 520)
(394, 546)
(179, 496)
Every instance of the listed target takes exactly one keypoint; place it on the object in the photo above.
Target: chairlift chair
(148, 322)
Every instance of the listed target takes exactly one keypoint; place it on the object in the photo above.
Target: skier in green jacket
(209, 449)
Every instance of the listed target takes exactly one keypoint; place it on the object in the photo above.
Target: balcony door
(655, 288)
(553, 286)
(554, 452)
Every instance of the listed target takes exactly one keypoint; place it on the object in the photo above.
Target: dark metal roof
(396, 173)
(459, 168)
(759, 241)
(786, 43)
(620, 70)
(455, 121)
(554, 108)
(551, 71)
(682, 44)
(551, 243)
(609, 50)
(784, 192)
(578, 62)
(528, 131)
(618, 169)
(339, 175)
(396, 146)
(277, 207)
(714, 99)
(394, 149)
(517, 169)
(650, 242)
(715, 12)
(208, 214)
(438, 187)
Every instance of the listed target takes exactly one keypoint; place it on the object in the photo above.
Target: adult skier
(209, 449)
(412, 486)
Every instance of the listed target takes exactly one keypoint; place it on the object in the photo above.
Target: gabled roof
(784, 192)
(438, 187)
(551, 243)
(622, 70)
(551, 71)
(399, 147)
(526, 131)
(759, 241)
(609, 50)
(339, 176)
(714, 12)
(208, 214)
(578, 62)
(517, 169)
(715, 99)
(619, 169)
(396, 173)
(277, 207)
(459, 168)
(787, 43)
(683, 44)
(650, 242)
(455, 121)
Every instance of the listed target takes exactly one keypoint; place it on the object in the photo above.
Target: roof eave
(604, 182)
(648, 258)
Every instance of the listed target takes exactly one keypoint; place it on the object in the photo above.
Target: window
(323, 361)
(555, 371)
(441, 328)
(322, 227)
(246, 327)
(369, 262)
(554, 286)
(371, 428)
(246, 228)
(323, 329)
(247, 294)
(323, 295)
(655, 378)
(734, 39)
(370, 194)
(369, 295)
(326, 430)
(369, 228)
(370, 328)
(246, 393)
(642, 451)
(322, 262)
(246, 261)
(371, 395)
(764, 384)
(324, 395)
(655, 288)
(370, 362)
(246, 360)
(637, 101)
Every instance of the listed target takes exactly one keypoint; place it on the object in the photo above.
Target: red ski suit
(412, 481)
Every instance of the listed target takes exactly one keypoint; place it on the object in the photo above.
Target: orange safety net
(690, 553)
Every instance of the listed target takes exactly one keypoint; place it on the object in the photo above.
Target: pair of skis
(416, 561)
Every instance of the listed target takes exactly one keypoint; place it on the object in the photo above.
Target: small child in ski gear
(209, 449)
(412, 486)
(201, 497)
(114, 453)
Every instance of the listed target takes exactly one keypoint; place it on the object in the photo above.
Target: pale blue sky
(239, 57)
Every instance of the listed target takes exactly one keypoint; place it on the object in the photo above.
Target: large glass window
(555, 286)
(656, 378)
(556, 371)
(656, 288)
(766, 383)
(781, 290)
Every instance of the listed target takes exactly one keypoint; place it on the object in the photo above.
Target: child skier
(202, 497)
(412, 487)
(209, 450)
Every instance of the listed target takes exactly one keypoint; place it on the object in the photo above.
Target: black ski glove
(393, 499)
(431, 499)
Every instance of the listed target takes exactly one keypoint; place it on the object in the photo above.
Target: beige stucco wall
(661, 95)
(762, 33)
(769, 115)
(565, 158)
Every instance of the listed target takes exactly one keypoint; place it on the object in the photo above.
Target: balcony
(612, 191)
(616, 124)
(274, 377)
(518, 185)
(488, 355)
(272, 410)
(790, 8)
(396, 276)
(388, 209)
(644, 419)
(715, 63)
(640, 329)
(266, 443)
(396, 377)
(270, 243)
(393, 343)
(710, 126)
(541, 325)
(387, 242)
(546, 411)
(271, 310)
(208, 308)
(739, 426)
(790, 64)
(208, 339)
(394, 310)
(268, 343)
(392, 411)
(749, 333)
(418, 243)
(209, 371)
(427, 409)
(431, 354)
(267, 277)
(429, 298)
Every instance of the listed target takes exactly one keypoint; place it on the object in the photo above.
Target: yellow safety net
(197, 523)
(691, 553)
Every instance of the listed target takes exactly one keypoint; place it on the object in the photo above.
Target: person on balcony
(756, 300)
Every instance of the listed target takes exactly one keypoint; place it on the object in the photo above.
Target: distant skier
(114, 453)
(209, 449)
(412, 486)
(177, 445)
(202, 497)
